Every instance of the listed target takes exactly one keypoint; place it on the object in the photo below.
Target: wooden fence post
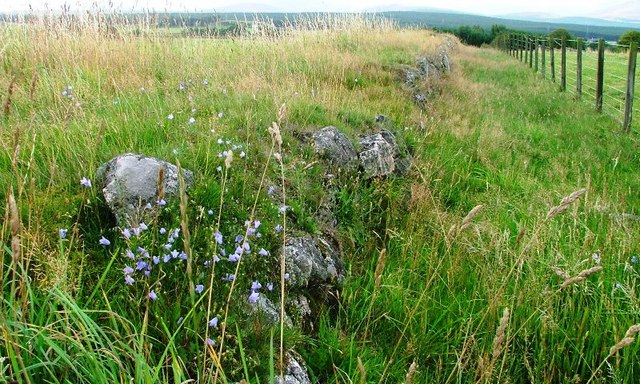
(543, 59)
(552, 59)
(537, 44)
(579, 70)
(526, 49)
(600, 76)
(631, 80)
(531, 46)
(563, 65)
(521, 41)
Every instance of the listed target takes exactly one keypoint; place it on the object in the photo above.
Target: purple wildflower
(136, 231)
(129, 254)
(263, 252)
(253, 297)
(234, 258)
(143, 226)
(182, 256)
(85, 182)
(229, 277)
(199, 288)
(141, 265)
(128, 270)
(210, 212)
(214, 322)
(129, 280)
(218, 237)
(256, 224)
(104, 241)
(156, 260)
(174, 254)
(210, 342)
(286, 276)
(239, 238)
(62, 232)
(163, 231)
(126, 233)
(278, 228)
(256, 286)
(153, 296)
(270, 286)
(166, 258)
(271, 190)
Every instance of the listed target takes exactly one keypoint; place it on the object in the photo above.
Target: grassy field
(508, 254)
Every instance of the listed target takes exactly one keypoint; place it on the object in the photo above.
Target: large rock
(296, 371)
(334, 146)
(129, 182)
(312, 261)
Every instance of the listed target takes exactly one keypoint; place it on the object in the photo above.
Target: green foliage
(628, 37)
(474, 35)
(558, 35)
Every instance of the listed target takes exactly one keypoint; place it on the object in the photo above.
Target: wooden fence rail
(615, 95)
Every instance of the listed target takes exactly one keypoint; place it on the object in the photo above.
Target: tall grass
(509, 253)
(84, 88)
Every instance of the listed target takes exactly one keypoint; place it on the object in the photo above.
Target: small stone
(264, 307)
(296, 371)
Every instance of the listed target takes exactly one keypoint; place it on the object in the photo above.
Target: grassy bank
(461, 271)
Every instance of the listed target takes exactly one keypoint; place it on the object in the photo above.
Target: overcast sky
(484, 7)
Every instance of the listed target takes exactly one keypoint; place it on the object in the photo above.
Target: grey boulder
(380, 155)
(130, 181)
(335, 147)
(312, 260)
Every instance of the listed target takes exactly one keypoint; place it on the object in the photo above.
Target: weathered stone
(334, 146)
(377, 154)
(300, 305)
(129, 182)
(296, 372)
(312, 260)
(265, 308)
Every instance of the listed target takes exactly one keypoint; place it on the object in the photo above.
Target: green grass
(425, 283)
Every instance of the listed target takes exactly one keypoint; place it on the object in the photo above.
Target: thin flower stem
(246, 235)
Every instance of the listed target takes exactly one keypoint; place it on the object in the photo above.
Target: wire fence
(593, 71)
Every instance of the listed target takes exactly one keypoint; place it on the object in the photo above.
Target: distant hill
(450, 20)
(551, 18)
